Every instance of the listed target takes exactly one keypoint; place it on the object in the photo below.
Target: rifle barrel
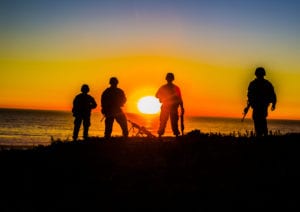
(243, 117)
(245, 112)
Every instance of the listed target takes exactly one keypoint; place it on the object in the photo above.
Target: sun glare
(149, 105)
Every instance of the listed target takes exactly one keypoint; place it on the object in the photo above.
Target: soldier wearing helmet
(82, 106)
(260, 72)
(112, 101)
(170, 97)
(260, 95)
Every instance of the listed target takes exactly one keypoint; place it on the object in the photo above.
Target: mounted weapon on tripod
(141, 130)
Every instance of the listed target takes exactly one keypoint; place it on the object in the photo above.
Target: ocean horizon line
(144, 115)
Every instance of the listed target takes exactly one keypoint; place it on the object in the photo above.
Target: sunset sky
(50, 48)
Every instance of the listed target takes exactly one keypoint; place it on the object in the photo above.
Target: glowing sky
(50, 48)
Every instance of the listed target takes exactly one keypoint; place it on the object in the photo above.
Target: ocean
(20, 127)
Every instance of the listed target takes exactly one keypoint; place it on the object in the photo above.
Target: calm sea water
(35, 127)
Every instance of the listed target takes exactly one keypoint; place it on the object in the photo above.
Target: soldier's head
(170, 77)
(85, 88)
(260, 72)
(113, 81)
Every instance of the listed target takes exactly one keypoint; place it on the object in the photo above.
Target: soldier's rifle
(182, 121)
(246, 109)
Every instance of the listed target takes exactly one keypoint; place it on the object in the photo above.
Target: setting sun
(149, 105)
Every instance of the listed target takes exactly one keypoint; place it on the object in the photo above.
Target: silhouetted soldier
(260, 94)
(112, 99)
(170, 97)
(82, 106)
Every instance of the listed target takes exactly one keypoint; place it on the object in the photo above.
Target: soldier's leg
(264, 126)
(77, 123)
(86, 125)
(257, 127)
(260, 122)
(260, 125)
(164, 115)
(109, 120)
(264, 121)
(174, 121)
(122, 121)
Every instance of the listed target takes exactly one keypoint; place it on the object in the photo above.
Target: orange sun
(148, 105)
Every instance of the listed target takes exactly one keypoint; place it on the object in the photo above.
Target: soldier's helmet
(260, 72)
(170, 77)
(85, 88)
(113, 81)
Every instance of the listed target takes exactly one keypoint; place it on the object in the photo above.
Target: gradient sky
(50, 48)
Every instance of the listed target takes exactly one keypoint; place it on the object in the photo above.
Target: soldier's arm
(93, 103)
(180, 97)
(273, 98)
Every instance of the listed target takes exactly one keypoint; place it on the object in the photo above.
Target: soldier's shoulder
(176, 86)
(90, 96)
(120, 90)
(106, 90)
(253, 82)
(267, 81)
(79, 95)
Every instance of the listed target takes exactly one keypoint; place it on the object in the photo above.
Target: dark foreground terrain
(197, 171)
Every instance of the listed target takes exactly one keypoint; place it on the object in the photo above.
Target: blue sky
(255, 21)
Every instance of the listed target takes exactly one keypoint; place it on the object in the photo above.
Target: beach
(27, 128)
(196, 171)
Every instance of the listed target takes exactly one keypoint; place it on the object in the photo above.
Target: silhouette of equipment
(245, 112)
(141, 130)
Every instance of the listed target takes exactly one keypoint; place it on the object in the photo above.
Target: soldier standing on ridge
(82, 106)
(112, 99)
(170, 97)
(260, 94)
